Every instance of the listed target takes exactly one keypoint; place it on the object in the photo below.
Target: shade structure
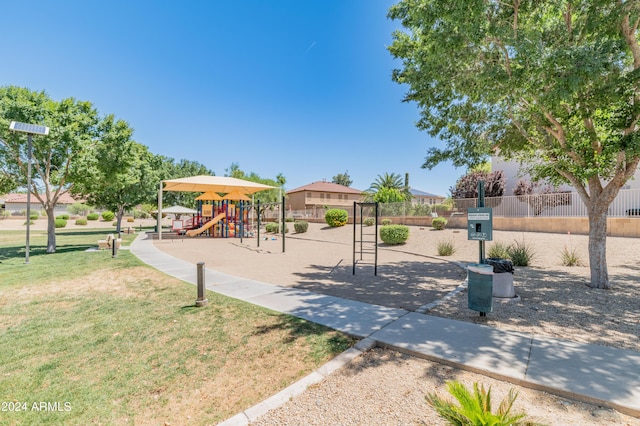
(179, 210)
(236, 196)
(222, 184)
(209, 196)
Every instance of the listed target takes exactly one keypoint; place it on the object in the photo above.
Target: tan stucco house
(321, 193)
(421, 197)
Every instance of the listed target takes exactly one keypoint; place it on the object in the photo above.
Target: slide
(194, 232)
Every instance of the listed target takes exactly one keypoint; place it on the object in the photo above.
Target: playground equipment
(362, 234)
(209, 224)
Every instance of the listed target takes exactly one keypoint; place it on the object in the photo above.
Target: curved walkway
(601, 375)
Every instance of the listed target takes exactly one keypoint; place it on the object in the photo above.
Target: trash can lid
(480, 268)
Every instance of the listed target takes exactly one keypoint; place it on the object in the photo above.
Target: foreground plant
(475, 409)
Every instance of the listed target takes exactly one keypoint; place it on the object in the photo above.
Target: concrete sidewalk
(591, 373)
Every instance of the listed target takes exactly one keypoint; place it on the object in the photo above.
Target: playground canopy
(222, 184)
(204, 183)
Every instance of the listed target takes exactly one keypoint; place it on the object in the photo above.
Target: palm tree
(388, 181)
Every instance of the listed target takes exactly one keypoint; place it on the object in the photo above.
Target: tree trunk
(119, 214)
(51, 230)
(598, 248)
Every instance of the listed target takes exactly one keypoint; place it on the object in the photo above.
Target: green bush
(394, 234)
(130, 219)
(386, 222)
(30, 223)
(274, 227)
(289, 219)
(420, 210)
(107, 216)
(439, 223)
(475, 409)
(336, 217)
(78, 209)
(5, 214)
(81, 221)
(114, 223)
(43, 213)
(369, 221)
(34, 215)
(446, 248)
(301, 226)
(93, 216)
(498, 250)
(521, 253)
(63, 216)
(60, 222)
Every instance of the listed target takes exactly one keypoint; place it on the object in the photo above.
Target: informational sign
(207, 210)
(480, 224)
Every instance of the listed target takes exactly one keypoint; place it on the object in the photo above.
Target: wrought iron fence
(562, 204)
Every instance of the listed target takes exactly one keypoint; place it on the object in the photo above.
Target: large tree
(56, 157)
(551, 83)
(343, 179)
(121, 173)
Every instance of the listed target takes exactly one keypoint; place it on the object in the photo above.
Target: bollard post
(114, 248)
(201, 300)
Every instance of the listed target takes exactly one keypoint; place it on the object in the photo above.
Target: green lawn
(112, 341)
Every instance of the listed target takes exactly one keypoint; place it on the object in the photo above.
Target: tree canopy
(121, 173)
(56, 157)
(551, 83)
(342, 179)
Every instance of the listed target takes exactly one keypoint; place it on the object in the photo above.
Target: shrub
(520, 253)
(300, 226)
(446, 248)
(336, 217)
(34, 215)
(386, 222)
(498, 250)
(63, 216)
(93, 216)
(43, 213)
(107, 216)
(369, 221)
(289, 219)
(81, 221)
(60, 222)
(569, 257)
(475, 409)
(115, 223)
(78, 209)
(439, 223)
(394, 234)
(130, 219)
(421, 210)
(30, 223)
(5, 214)
(274, 227)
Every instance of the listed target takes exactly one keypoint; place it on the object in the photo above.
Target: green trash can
(480, 287)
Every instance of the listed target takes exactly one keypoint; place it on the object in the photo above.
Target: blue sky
(298, 87)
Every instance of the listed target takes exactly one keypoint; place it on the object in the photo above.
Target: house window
(328, 196)
(308, 195)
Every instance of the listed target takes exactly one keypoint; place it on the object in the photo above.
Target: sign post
(480, 276)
